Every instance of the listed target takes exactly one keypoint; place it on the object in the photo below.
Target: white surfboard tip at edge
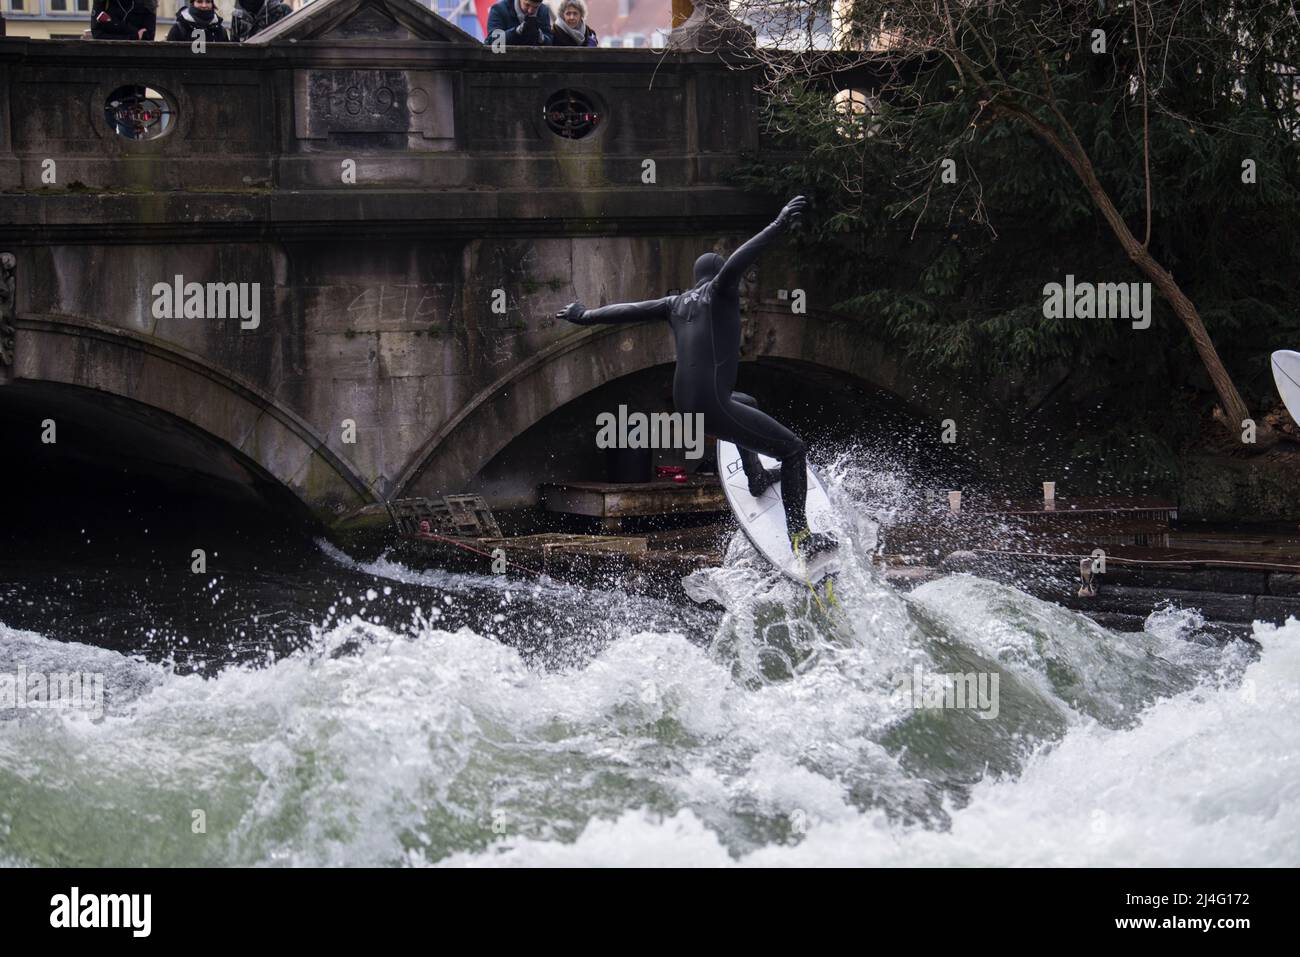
(1286, 376)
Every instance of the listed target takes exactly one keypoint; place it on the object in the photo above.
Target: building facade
(618, 23)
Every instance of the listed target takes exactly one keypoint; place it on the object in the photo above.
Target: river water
(294, 705)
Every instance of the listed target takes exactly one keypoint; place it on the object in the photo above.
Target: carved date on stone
(331, 102)
(8, 311)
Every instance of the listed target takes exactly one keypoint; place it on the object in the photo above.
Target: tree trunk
(1229, 397)
(1231, 400)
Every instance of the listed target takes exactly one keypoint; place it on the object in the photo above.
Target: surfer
(706, 330)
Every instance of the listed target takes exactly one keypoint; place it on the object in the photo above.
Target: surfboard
(763, 518)
(1286, 373)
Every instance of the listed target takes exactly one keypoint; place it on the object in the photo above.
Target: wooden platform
(552, 543)
(1081, 508)
(1017, 525)
(1173, 559)
(611, 502)
(1229, 588)
(538, 550)
(649, 564)
(1233, 577)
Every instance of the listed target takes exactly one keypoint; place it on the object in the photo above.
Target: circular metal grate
(570, 114)
(138, 112)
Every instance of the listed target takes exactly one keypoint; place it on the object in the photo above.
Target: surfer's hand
(792, 212)
(572, 312)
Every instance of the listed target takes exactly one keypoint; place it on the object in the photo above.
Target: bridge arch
(74, 351)
(451, 458)
(528, 392)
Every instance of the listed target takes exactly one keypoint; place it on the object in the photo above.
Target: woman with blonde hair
(571, 28)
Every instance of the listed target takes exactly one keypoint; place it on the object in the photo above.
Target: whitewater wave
(435, 747)
(1205, 778)
(783, 738)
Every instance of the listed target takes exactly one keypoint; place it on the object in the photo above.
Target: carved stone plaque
(328, 103)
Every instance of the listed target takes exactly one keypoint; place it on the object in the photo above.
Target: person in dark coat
(251, 17)
(199, 17)
(571, 28)
(524, 23)
(123, 19)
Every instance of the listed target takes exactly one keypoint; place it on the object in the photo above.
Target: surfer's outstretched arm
(617, 312)
(738, 263)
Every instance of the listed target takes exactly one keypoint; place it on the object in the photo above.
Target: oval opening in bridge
(139, 112)
(571, 114)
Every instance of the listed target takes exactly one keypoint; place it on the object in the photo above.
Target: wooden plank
(613, 501)
(573, 501)
(1082, 506)
(1186, 559)
(550, 541)
(1013, 532)
(669, 500)
(636, 486)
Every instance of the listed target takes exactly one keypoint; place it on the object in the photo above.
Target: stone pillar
(711, 28)
(8, 315)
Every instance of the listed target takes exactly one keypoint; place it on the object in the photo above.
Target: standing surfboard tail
(762, 518)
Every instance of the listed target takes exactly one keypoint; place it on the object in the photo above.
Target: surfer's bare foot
(807, 544)
(764, 481)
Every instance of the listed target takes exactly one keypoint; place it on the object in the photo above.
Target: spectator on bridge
(251, 17)
(123, 19)
(199, 17)
(524, 22)
(571, 28)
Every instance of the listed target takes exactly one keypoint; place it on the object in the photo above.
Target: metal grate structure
(570, 114)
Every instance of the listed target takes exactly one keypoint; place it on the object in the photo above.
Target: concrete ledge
(461, 213)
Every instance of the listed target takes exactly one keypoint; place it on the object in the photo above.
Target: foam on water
(781, 741)
(418, 749)
(1206, 778)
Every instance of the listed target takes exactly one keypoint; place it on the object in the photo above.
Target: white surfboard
(763, 518)
(1286, 373)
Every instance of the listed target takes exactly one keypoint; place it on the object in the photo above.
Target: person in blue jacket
(524, 23)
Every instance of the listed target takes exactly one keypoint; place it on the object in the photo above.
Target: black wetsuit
(706, 328)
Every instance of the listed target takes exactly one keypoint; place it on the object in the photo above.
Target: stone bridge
(401, 209)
